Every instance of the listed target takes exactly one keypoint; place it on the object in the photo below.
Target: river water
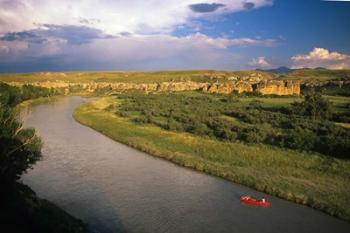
(114, 188)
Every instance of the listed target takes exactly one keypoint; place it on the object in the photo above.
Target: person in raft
(263, 200)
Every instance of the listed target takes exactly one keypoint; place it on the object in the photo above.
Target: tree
(9, 95)
(314, 106)
(19, 148)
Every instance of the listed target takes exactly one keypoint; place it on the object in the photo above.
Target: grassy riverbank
(307, 178)
(37, 101)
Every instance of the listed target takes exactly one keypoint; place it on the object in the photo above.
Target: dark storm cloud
(85, 21)
(29, 36)
(125, 34)
(90, 21)
(72, 34)
(205, 7)
(248, 5)
(12, 4)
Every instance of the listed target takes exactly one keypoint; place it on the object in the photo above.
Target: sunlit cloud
(134, 16)
(260, 62)
(320, 57)
(119, 33)
(132, 51)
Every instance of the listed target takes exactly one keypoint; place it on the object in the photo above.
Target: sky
(72, 35)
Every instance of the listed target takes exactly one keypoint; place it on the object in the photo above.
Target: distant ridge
(279, 70)
(286, 70)
(320, 68)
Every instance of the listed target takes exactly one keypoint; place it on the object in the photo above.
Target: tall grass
(128, 77)
(306, 178)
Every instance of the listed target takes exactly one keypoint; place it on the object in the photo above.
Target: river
(114, 188)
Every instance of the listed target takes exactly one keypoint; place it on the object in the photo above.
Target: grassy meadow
(167, 76)
(128, 77)
(307, 178)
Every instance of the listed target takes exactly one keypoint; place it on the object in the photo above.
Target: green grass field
(166, 76)
(307, 178)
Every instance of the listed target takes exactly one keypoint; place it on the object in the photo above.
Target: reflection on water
(115, 188)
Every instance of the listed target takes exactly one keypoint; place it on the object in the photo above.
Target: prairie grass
(303, 177)
(121, 76)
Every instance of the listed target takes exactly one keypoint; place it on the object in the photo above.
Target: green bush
(174, 125)
(145, 119)
(301, 139)
(254, 135)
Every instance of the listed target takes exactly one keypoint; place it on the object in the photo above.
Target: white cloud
(134, 33)
(320, 57)
(194, 41)
(132, 52)
(134, 16)
(222, 42)
(260, 62)
(162, 46)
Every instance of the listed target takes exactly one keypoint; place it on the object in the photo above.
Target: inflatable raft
(252, 201)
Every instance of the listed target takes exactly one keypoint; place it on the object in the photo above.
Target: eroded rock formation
(266, 87)
(274, 87)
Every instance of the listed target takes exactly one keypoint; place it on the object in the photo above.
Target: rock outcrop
(266, 87)
(274, 87)
(181, 86)
(229, 87)
(329, 83)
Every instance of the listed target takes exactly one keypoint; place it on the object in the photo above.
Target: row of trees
(11, 95)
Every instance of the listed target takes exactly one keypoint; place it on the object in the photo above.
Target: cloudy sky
(65, 35)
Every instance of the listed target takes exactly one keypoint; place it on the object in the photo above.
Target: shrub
(174, 125)
(301, 139)
(254, 135)
(197, 128)
(143, 119)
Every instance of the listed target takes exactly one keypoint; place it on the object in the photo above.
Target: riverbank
(37, 101)
(22, 211)
(306, 178)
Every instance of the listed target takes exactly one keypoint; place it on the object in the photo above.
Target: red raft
(252, 201)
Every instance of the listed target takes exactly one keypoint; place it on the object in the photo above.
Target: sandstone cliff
(274, 87)
(264, 87)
